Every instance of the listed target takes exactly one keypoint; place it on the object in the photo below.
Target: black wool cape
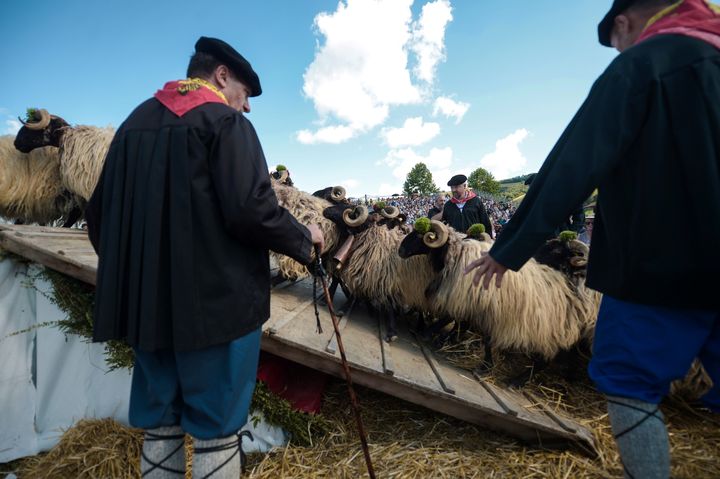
(182, 219)
(648, 138)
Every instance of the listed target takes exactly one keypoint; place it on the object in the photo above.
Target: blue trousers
(207, 392)
(639, 349)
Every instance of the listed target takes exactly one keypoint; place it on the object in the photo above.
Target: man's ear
(221, 75)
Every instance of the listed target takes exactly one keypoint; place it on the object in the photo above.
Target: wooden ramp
(406, 368)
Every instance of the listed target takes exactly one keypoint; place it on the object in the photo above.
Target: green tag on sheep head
(476, 230)
(30, 115)
(280, 168)
(567, 235)
(422, 225)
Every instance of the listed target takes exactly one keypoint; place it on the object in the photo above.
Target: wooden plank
(433, 365)
(405, 368)
(275, 327)
(61, 263)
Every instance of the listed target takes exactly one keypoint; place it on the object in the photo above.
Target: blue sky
(355, 92)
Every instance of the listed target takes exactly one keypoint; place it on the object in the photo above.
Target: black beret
(606, 25)
(457, 180)
(230, 57)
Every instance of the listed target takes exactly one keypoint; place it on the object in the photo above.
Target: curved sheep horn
(390, 212)
(38, 125)
(437, 236)
(360, 215)
(337, 194)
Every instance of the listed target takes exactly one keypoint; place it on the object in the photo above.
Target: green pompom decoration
(280, 168)
(380, 205)
(476, 230)
(567, 235)
(30, 114)
(422, 225)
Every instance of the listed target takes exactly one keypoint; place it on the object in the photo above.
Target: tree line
(420, 181)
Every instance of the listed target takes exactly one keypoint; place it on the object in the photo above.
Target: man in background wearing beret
(182, 219)
(464, 208)
(647, 138)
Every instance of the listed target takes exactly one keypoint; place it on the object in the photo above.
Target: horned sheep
(82, 149)
(537, 311)
(30, 186)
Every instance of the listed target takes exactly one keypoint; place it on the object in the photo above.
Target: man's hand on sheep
(488, 267)
(317, 236)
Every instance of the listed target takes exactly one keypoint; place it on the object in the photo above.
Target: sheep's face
(28, 139)
(413, 245)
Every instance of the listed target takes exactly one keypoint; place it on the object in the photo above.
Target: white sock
(641, 437)
(163, 453)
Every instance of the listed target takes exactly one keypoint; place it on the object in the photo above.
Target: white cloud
(328, 134)
(350, 183)
(450, 108)
(413, 133)
(507, 159)
(438, 161)
(11, 127)
(361, 69)
(429, 38)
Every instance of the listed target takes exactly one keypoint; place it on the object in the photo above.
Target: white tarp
(49, 380)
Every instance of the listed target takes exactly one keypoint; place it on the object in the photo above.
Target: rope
(159, 465)
(225, 447)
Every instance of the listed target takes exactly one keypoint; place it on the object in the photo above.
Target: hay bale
(409, 441)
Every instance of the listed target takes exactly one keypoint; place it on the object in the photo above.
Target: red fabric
(182, 103)
(470, 195)
(693, 18)
(301, 386)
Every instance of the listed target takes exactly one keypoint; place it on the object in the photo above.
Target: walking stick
(351, 391)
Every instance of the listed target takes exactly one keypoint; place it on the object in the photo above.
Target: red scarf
(181, 101)
(693, 18)
(468, 196)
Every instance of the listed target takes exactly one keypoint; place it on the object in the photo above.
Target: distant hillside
(515, 179)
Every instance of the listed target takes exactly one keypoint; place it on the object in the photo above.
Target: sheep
(30, 187)
(82, 149)
(373, 271)
(307, 209)
(537, 311)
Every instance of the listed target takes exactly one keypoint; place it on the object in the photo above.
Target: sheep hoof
(391, 338)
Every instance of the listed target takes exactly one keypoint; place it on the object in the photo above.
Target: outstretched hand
(487, 267)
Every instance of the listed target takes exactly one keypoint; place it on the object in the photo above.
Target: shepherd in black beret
(457, 180)
(236, 62)
(182, 219)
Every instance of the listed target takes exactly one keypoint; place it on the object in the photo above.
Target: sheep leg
(391, 325)
(538, 365)
(486, 365)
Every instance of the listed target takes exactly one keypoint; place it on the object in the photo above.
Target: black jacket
(473, 212)
(182, 219)
(648, 137)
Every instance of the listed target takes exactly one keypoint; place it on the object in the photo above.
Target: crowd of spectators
(417, 206)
